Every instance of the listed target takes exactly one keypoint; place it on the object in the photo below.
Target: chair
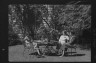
(72, 38)
(72, 47)
(27, 48)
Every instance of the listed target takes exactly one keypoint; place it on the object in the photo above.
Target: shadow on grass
(69, 54)
(35, 53)
(54, 54)
(47, 54)
(75, 55)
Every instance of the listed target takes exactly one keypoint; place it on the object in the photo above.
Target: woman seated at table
(63, 41)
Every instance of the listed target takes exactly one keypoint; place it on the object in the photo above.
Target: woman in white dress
(63, 41)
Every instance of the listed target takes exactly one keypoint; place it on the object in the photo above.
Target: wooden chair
(28, 48)
(71, 47)
(33, 46)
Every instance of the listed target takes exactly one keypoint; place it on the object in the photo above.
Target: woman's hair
(64, 32)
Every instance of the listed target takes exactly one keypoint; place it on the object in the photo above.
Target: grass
(15, 54)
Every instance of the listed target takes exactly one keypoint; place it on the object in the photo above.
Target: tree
(73, 16)
(49, 19)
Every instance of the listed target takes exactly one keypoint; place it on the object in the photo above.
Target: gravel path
(16, 55)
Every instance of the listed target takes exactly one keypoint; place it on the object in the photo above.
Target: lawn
(15, 54)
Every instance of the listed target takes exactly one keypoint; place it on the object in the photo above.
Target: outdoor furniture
(27, 49)
(71, 47)
(47, 46)
(31, 47)
(61, 51)
(37, 44)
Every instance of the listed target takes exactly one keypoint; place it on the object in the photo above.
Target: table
(48, 46)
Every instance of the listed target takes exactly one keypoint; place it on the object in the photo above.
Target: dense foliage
(48, 21)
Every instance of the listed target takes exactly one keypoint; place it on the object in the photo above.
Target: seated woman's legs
(62, 49)
(36, 47)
